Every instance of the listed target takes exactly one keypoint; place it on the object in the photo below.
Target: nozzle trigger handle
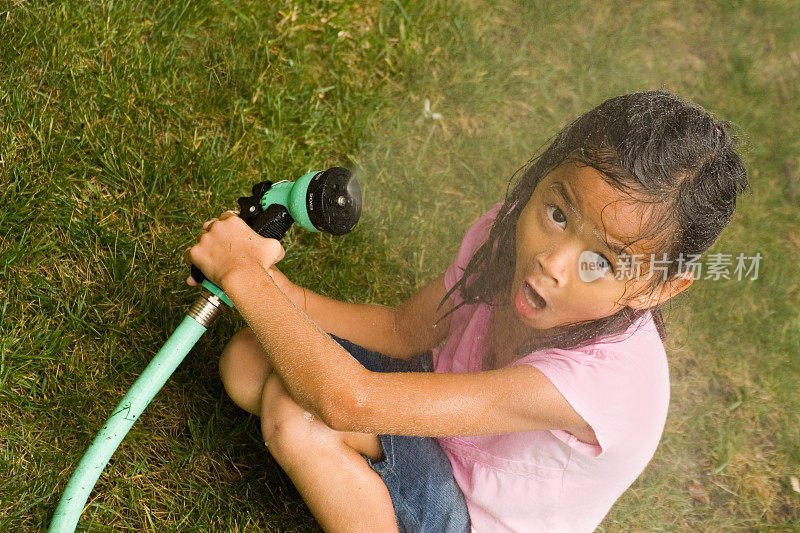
(197, 275)
(272, 223)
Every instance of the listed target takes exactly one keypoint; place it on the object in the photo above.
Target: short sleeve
(602, 386)
(476, 235)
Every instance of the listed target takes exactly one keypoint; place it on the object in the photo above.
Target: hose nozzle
(328, 201)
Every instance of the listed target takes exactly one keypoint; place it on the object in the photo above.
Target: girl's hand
(228, 245)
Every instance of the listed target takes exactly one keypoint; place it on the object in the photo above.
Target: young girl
(550, 394)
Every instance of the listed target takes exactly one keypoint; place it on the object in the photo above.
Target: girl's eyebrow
(564, 193)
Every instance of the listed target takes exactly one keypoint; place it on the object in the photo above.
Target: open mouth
(533, 298)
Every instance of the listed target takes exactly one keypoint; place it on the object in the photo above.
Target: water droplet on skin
(308, 416)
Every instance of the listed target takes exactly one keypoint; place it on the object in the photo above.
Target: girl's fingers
(227, 214)
(206, 228)
(186, 259)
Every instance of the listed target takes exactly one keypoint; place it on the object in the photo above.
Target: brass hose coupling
(206, 308)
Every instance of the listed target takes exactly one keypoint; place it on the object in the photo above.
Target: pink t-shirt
(549, 480)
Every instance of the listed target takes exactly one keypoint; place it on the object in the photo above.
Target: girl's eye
(556, 215)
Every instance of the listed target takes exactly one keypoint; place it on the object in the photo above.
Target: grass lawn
(124, 125)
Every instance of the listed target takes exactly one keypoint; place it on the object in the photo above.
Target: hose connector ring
(206, 308)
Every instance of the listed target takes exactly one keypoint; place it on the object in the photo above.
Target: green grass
(123, 126)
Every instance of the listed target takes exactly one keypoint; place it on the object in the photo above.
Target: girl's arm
(323, 378)
(403, 332)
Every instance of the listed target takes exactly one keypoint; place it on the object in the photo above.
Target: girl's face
(569, 243)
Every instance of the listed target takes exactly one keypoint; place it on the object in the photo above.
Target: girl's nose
(558, 263)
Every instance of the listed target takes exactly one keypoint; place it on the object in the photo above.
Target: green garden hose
(200, 317)
(327, 201)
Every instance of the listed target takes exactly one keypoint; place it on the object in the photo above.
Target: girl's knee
(292, 433)
(243, 368)
(289, 431)
(277, 409)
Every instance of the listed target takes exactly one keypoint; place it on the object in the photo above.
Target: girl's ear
(663, 292)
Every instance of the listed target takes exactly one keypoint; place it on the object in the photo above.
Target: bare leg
(244, 369)
(339, 487)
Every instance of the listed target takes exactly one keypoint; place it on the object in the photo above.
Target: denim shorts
(416, 471)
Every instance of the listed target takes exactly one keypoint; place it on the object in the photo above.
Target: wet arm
(403, 332)
(312, 366)
(323, 378)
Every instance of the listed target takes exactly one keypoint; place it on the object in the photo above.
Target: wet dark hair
(653, 146)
